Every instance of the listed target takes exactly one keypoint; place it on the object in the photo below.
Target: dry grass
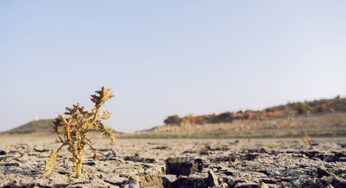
(326, 124)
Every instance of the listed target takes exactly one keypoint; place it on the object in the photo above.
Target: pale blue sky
(167, 57)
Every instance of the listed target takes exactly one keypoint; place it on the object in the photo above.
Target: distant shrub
(340, 106)
(248, 115)
(269, 109)
(306, 139)
(174, 119)
(322, 108)
(302, 108)
(200, 119)
(225, 117)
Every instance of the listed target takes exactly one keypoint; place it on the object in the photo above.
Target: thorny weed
(306, 139)
(72, 130)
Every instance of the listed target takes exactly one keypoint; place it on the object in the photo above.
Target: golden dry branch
(72, 129)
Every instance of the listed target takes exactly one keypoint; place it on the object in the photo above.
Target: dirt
(179, 163)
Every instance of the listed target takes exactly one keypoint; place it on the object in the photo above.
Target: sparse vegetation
(291, 109)
(174, 119)
(306, 139)
(72, 130)
(316, 125)
(322, 108)
(302, 108)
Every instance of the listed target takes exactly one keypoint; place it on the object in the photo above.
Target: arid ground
(178, 163)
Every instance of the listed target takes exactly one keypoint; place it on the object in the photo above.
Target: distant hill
(42, 126)
(290, 109)
(324, 117)
(36, 126)
(327, 124)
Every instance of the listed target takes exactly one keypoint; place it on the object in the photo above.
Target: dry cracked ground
(179, 163)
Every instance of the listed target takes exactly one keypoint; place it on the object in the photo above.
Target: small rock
(311, 154)
(204, 152)
(131, 183)
(151, 177)
(2, 152)
(90, 163)
(342, 159)
(343, 145)
(231, 172)
(191, 181)
(313, 143)
(148, 160)
(264, 185)
(167, 180)
(339, 183)
(248, 156)
(63, 172)
(212, 179)
(183, 166)
(322, 172)
(269, 181)
(105, 149)
(161, 147)
(234, 143)
(40, 150)
(330, 158)
(265, 150)
(9, 164)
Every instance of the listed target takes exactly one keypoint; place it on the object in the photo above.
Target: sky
(167, 57)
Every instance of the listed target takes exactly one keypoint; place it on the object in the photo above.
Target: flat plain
(178, 163)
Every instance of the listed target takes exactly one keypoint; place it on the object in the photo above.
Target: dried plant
(306, 139)
(72, 130)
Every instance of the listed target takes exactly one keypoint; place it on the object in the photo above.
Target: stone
(161, 147)
(9, 164)
(167, 180)
(212, 179)
(89, 163)
(313, 143)
(183, 166)
(339, 182)
(265, 150)
(131, 183)
(342, 159)
(248, 156)
(322, 172)
(264, 185)
(41, 150)
(191, 181)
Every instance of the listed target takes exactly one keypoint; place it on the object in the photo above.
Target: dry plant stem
(78, 156)
(72, 130)
(68, 134)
